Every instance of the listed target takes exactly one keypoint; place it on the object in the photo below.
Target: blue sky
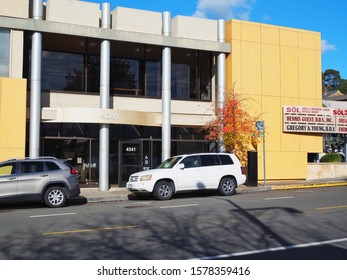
(326, 17)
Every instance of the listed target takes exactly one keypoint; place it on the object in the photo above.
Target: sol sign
(314, 119)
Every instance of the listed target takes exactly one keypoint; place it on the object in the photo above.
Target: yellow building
(275, 66)
(12, 117)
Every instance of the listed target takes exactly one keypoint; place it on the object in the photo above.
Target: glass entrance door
(143, 154)
(130, 160)
(78, 152)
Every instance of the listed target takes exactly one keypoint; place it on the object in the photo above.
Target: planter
(326, 170)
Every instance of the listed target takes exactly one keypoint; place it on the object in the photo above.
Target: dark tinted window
(191, 161)
(62, 71)
(225, 159)
(32, 167)
(208, 160)
(52, 166)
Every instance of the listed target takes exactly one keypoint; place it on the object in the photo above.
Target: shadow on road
(170, 234)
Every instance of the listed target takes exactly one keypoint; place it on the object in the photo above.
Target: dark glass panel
(62, 71)
(183, 74)
(153, 79)
(93, 73)
(125, 76)
(205, 67)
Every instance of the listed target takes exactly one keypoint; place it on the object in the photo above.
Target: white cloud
(266, 18)
(224, 9)
(326, 47)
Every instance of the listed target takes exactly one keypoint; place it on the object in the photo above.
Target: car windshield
(169, 163)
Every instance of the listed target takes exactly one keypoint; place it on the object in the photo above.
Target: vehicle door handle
(12, 178)
(43, 175)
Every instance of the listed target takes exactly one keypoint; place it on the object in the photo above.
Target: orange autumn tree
(235, 126)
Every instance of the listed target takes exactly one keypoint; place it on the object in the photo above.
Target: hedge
(333, 157)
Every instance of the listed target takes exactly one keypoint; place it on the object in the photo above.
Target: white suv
(202, 171)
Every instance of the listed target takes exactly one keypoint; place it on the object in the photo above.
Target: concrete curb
(107, 199)
(317, 185)
(245, 189)
(121, 194)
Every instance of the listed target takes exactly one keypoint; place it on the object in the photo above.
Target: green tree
(343, 86)
(331, 80)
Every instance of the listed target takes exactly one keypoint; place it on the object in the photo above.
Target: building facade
(120, 90)
(273, 67)
(59, 50)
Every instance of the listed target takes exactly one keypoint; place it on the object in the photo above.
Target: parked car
(220, 171)
(46, 179)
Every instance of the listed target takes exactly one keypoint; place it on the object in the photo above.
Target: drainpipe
(35, 84)
(166, 91)
(104, 101)
(221, 77)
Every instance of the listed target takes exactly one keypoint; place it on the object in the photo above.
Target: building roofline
(111, 34)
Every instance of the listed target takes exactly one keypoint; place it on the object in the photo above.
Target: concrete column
(221, 73)
(104, 133)
(166, 91)
(35, 84)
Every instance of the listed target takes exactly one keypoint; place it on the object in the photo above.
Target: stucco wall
(273, 66)
(14, 8)
(137, 20)
(194, 28)
(12, 118)
(16, 54)
(74, 12)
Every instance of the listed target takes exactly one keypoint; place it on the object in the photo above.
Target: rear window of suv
(52, 166)
(210, 160)
(225, 159)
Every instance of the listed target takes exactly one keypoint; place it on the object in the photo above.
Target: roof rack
(24, 158)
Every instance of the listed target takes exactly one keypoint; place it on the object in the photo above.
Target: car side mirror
(181, 166)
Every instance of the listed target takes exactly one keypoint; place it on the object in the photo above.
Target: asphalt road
(295, 224)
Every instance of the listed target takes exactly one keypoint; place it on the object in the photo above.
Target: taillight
(243, 170)
(74, 171)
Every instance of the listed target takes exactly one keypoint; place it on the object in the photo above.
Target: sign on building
(314, 119)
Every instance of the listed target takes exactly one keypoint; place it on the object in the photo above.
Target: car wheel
(227, 186)
(163, 190)
(55, 197)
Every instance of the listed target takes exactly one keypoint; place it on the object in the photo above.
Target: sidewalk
(116, 193)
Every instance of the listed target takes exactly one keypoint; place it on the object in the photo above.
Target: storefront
(132, 148)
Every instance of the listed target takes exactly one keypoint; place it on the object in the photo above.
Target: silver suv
(44, 179)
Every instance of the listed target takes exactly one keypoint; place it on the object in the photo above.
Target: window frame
(194, 68)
